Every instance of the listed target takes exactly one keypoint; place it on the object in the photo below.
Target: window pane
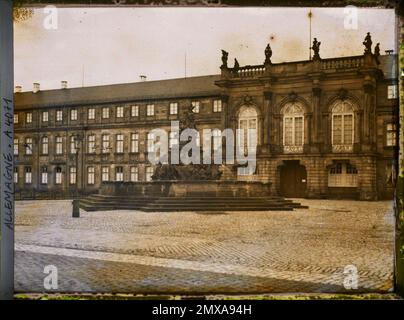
(337, 129)
(348, 129)
(288, 131)
(298, 131)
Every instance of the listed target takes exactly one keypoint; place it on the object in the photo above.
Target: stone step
(105, 202)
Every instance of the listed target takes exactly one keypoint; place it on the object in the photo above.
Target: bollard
(76, 208)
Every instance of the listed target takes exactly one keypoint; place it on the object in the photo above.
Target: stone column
(316, 125)
(267, 125)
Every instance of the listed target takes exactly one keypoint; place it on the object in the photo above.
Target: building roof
(147, 90)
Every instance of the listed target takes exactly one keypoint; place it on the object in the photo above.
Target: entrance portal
(293, 179)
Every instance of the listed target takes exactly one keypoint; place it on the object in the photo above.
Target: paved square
(305, 250)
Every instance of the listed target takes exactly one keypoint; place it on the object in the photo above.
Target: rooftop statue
(316, 49)
(377, 53)
(225, 56)
(368, 43)
(268, 54)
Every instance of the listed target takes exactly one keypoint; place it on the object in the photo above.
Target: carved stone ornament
(342, 94)
(292, 96)
(248, 99)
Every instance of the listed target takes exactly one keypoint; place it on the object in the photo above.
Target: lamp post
(78, 138)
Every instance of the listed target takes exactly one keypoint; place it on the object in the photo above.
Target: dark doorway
(293, 179)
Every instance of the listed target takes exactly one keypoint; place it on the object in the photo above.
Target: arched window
(293, 128)
(248, 123)
(342, 126)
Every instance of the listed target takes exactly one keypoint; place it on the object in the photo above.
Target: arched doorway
(293, 179)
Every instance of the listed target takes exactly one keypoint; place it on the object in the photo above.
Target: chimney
(143, 78)
(36, 87)
(63, 84)
(18, 89)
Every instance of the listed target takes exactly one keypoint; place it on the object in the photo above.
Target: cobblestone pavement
(305, 250)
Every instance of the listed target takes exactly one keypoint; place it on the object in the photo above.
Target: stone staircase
(100, 202)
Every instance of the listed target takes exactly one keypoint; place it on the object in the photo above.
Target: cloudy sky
(95, 46)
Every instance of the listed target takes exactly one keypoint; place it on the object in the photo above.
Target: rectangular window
(173, 138)
(15, 174)
(72, 175)
(73, 149)
(29, 117)
(343, 175)
(91, 143)
(45, 116)
(105, 143)
(45, 145)
(119, 174)
(173, 108)
(391, 135)
(134, 174)
(134, 111)
(91, 114)
(150, 142)
(59, 115)
(58, 176)
(195, 106)
(73, 114)
(59, 145)
(28, 146)
(105, 113)
(105, 174)
(392, 92)
(134, 142)
(90, 175)
(149, 173)
(119, 143)
(16, 146)
(119, 112)
(28, 175)
(44, 175)
(150, 110)
(15, 118)
(217, 105)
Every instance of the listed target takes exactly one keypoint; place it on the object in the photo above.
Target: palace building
(326, 127)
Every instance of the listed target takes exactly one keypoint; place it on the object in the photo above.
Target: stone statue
(188, 121)
(236, 64)
(316, 49)
(268, 54)
(225, 56)
(377, 53)
(368, 43)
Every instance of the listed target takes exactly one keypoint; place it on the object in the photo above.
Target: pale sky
(116, 45)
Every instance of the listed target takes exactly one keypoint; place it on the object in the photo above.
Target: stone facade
(325, 127)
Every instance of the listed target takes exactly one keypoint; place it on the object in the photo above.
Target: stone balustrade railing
(325, 64)
(342, 63)
(249, 71)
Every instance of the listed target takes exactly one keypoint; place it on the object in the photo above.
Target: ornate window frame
(340, 108)
(293, 110)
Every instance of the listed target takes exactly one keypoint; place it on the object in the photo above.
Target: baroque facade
(325, 127)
